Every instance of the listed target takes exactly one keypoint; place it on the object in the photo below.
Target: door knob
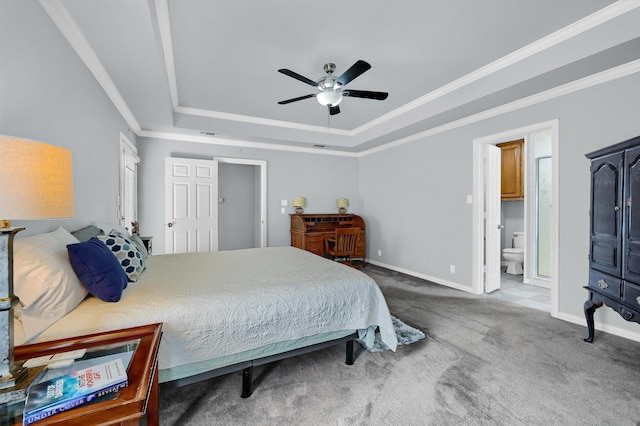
(170, 224)
(500, 226)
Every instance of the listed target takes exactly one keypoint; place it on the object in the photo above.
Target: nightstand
(131, 405)
(147, 243)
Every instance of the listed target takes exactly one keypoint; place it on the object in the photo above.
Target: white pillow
(107, 227)
(44, 280)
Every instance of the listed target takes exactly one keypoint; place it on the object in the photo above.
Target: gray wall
(238, 214)
(416, 209)
(320, 178)
(512, 219)
(47, 94)
(422, 224)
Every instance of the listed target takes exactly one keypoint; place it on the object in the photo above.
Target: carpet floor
(483, 362)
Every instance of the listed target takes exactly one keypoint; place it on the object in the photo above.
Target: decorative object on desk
(299, 203)
(135, 227)
(72, 390)
(342, 204)
(37, 183)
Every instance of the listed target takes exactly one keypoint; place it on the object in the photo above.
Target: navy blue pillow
(98, 269)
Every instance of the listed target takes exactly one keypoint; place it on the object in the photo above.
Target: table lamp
(342, 204)
(36, 182)
(299, 203)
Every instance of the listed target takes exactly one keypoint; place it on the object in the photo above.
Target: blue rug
(405, 333)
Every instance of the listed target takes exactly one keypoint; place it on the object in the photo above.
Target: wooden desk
(131, 404)
(308, 231)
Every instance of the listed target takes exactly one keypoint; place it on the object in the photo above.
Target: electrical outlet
(379, 252)
(452, 269)
(282, 210)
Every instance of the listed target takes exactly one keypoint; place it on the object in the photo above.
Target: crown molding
(240, 143)
(164, 26)
(67, 26)
(585, 24)
(65, 23)
(565, 89)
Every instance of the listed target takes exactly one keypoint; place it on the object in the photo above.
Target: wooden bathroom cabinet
(512, 182)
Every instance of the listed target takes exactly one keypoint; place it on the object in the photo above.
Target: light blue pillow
(98, 270)
(127, 254)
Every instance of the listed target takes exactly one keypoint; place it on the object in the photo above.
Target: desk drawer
(605, 283)
(315, 244)
(631, 295)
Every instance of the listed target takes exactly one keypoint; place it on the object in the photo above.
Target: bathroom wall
(512, 219)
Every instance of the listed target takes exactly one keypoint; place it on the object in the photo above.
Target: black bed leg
(247, 382)
(350, 353)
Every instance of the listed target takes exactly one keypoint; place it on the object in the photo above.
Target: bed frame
(247, 366)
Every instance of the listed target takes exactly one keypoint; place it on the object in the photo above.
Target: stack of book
(72, 390)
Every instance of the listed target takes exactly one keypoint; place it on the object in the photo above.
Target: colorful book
(72, 390)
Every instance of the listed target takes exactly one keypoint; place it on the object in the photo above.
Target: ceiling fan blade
(298, 76)
(288, 101)
(367, 94)
(356, 70)
(333, 110)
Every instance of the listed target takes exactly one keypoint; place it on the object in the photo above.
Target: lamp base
(13, 378)
(342, 210)
(17, 393)
(299, 210)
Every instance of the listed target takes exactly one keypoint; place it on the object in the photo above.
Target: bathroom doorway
(539, 208)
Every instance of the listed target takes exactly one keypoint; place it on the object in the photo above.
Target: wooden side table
(130, 405)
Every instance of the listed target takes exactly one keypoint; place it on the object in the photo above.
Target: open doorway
(242, 204)
(532, 221)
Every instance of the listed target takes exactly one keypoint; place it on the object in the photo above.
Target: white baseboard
(580, 320)
(423, 276)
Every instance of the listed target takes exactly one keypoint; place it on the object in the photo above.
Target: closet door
(631, 240)
(606, 214)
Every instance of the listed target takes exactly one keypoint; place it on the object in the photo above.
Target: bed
(227, 310)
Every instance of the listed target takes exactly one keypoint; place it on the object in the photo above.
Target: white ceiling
(176, 68)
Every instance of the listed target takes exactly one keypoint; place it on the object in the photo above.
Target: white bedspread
(221, 303)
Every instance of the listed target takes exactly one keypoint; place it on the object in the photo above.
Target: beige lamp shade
(299, 202)
(36, 180)
(342, 202)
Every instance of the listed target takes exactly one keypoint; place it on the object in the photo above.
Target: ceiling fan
(331, 88)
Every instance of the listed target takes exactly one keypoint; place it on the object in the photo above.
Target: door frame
(124, 145)
(262, 164)
(478, 196)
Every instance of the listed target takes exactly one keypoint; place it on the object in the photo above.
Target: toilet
(515, 256)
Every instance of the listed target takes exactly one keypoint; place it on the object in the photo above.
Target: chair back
(346, 241)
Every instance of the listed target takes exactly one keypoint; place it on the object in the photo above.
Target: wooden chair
(342, 245)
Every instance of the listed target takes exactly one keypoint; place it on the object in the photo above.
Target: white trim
(240, 143)
(435, 280)
(631, 335)
(164, 26)
(587, 23)
(565, 89)
(63, 20)
(67, 26)
(263, 190)
(478, 210)
(259, 120)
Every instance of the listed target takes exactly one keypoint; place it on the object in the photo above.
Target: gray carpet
(483, 362)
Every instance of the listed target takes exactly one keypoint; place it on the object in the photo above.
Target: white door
(191, 205)
(493, 253)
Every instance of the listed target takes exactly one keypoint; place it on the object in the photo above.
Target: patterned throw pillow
(127, 253)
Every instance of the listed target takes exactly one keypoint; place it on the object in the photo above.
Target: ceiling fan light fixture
(329, 98)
